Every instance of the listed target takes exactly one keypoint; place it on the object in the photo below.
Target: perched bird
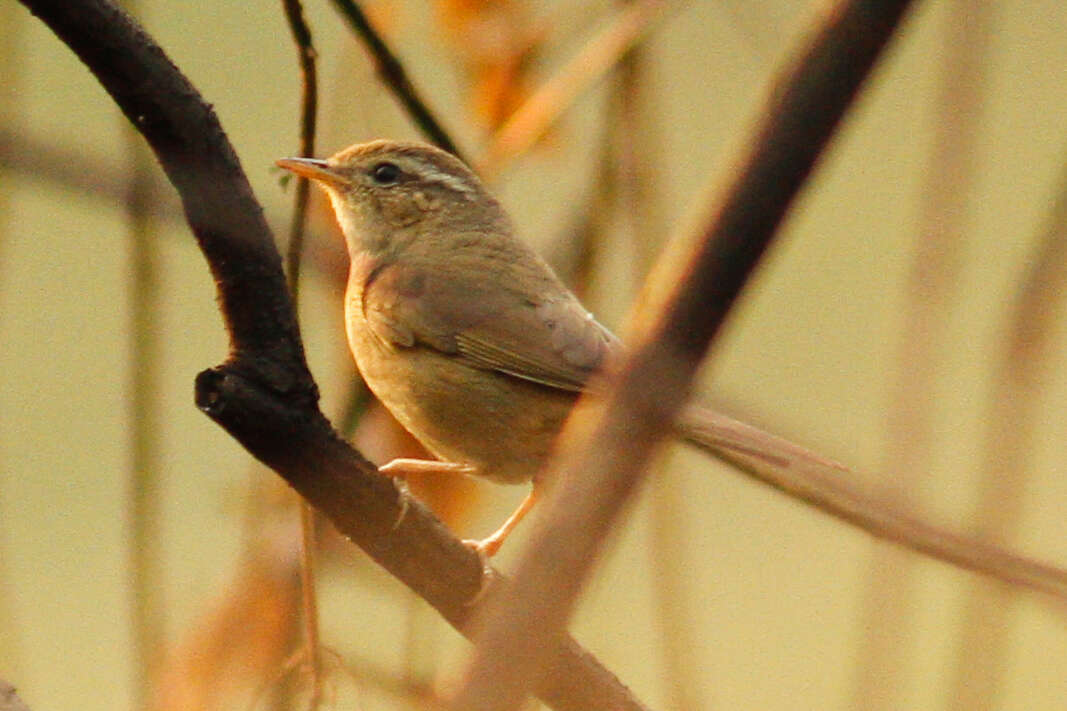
(461, 330)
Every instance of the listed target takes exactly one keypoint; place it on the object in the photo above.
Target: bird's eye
(385, 173)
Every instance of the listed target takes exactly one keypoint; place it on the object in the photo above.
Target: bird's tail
(783, 465)
(840, 492)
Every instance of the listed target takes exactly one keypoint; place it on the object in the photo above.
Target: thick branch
(396, 531)
(606, 447)
(264, 395)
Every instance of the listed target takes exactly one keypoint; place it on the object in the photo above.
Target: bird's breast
(502, 426)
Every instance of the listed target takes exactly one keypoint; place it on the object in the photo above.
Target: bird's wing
(555, 342)
(547, 338)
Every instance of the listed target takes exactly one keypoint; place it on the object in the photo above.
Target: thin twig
(1008, 462)
(145, 505)
(309, 603)
(36, 159)
(932, 290)
(146, 571)
(607, 443)
(309, 98)
(392, 72)
(544, 107)
(264, 395)
(305, 48)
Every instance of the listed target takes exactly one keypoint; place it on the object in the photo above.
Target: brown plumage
(457, 326)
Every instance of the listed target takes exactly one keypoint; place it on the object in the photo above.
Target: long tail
(838, 491)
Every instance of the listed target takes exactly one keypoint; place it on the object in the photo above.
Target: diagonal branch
(395, 76)
(608, 443)
(264, 394)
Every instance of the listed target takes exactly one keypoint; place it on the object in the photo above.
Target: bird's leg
(489, 546)
(486, 547)
(400, 468)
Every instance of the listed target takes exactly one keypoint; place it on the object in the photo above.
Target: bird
(462, 331)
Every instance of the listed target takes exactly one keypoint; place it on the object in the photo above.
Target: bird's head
(387, 194)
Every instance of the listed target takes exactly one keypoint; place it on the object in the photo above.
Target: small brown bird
(461, 330)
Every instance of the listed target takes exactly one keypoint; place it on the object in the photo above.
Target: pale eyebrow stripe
(433, 174)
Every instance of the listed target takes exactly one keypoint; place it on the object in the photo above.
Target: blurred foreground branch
(608, 443)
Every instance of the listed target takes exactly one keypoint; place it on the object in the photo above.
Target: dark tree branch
(606, 446)
(395, 77)
(264, 394)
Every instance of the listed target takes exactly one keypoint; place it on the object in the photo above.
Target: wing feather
(548, 338)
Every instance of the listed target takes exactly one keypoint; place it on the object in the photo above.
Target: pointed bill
(313, 168)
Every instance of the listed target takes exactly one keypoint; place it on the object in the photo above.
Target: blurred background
(907, 323)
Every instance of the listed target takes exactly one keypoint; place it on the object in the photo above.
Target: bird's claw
(404, 494)
(487, 571)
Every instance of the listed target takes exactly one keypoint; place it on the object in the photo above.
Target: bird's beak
(314, 169)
